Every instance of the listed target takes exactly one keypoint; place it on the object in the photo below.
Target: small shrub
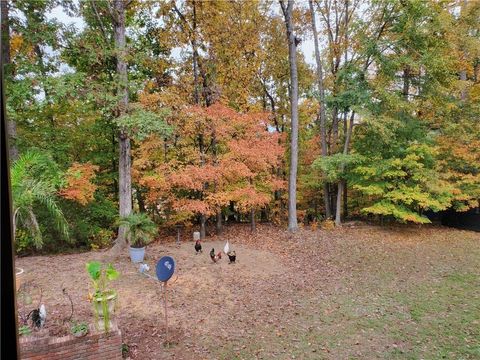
(79, 328)
(277, 214)
(125, 350)
(24, 330)
(314, 225)
(301, 214)
(328, 224)
(100, 239)
(23, 241)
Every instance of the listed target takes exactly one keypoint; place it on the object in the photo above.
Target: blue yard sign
(165, 268)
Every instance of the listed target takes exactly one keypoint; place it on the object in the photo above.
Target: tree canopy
(198, 95)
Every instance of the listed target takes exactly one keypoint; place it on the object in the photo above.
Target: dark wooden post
(8, 318)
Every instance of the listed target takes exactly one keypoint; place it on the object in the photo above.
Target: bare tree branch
(100, 22)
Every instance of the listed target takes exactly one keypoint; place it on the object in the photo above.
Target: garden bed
(93, 345)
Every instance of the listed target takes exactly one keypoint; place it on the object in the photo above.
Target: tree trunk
(203, 218)
(124, 163)
(463, 72)
(341, 184)
(196, 96)
(5, 24)
(203, 221)
(113, 160)
(322, 114)
(253, 226)
(338, 207)
(406, 82)
(264, 215)
(140, 200)
(334, 143)
(219, 225)
(292, 57)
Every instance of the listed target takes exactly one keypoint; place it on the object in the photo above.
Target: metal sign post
(165, 268)
(165, 306)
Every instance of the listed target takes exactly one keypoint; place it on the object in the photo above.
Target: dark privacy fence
(468, 220)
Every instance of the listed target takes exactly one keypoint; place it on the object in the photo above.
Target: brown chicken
(214, 257)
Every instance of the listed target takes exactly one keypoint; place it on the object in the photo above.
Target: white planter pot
(137, 254)
(98, 304)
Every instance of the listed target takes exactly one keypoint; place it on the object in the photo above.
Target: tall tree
(322, 113)
(124, 163)
(292, 57)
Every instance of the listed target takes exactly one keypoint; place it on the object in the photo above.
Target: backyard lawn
(358, 292)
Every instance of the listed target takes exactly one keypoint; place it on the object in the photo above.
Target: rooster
(232, 256)
(226, 248)
(198, 246)
(214, 257)
(39, 316)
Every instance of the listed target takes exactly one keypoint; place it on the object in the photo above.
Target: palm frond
(34, 178)
(56, 213)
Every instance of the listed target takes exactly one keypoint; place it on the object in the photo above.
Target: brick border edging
(94, 345)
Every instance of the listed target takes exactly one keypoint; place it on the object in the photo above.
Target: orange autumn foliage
(79, 186)
(215, 156)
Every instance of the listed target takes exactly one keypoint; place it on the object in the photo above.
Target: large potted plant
(141, 230)
(103, 298)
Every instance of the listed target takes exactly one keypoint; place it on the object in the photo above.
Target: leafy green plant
(35, 180)
(125, 350)
(24, 330)
(23, 240)
(140, 123)
(140, 228)
(101, 275)
(100, 238)
(79, 328)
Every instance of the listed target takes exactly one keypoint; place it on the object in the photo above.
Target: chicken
(39, 316)
(198, 247)
(144, 268)
(226, 248)
(214, 257)
(232, 256)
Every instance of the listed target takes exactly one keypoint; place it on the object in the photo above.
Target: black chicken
(198, 247)
(232, 256)
(214, 257)
(38, 317)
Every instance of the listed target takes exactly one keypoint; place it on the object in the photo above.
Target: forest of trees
(197, 112)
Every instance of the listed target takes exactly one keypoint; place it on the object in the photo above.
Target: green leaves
(93, 269)
(141, 123)
(140, 228)
(111, 273)
(331, 165)
(35, 179)
(100, 275)
(399, 212)
(402, 186)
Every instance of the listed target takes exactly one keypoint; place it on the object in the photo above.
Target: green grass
(435, 319)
